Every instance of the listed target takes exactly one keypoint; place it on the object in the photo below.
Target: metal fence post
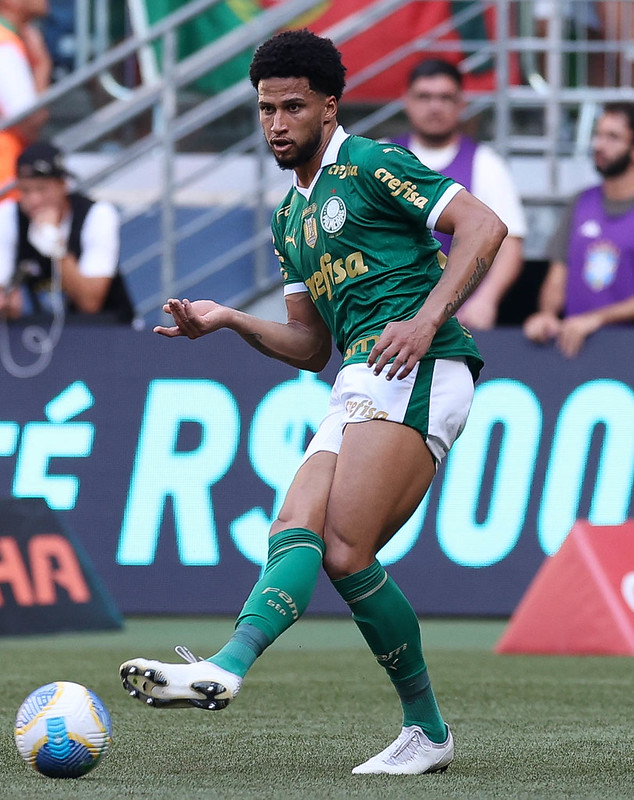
(168, 103)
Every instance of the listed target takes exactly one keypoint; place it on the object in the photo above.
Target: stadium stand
(156, 114)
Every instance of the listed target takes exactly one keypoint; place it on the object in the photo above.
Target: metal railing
(549, 43)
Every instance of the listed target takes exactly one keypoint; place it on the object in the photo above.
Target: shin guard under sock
(390, 627)
(277, 600)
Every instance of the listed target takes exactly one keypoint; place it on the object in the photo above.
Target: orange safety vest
(11, 143)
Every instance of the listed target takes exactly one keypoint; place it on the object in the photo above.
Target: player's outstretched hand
(192, 319)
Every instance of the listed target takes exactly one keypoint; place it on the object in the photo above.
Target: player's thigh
(306, 500)
(383, 471)
(387, 462)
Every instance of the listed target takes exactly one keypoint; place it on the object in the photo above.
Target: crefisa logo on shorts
(333, 215)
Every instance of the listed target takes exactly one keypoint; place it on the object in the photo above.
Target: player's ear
(331, 107)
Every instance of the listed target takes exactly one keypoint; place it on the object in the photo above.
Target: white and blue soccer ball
(62, 730)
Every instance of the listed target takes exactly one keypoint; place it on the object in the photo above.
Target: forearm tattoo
(255, 340)
(481, 268)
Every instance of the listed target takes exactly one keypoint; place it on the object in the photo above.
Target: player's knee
(344, 558)
(285, 521)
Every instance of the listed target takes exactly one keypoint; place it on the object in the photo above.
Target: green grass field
(316, 704)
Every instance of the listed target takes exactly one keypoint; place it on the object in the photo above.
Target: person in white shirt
(433, 103)
(54, 240)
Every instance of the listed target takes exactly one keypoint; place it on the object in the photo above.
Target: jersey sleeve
(401, 186)
(293, 282)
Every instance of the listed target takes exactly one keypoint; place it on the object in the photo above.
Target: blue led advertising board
(168, 460)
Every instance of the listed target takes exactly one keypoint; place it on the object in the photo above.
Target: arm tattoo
(477, 275)
(255, 340)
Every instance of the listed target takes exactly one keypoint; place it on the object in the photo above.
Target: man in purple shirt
(434, 103)
(590, 281)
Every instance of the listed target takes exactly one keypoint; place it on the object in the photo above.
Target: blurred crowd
(57, 241)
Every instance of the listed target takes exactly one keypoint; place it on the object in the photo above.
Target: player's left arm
(480, 311)
(477, 235)
(493, 185)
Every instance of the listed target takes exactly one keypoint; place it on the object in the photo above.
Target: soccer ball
(62, 730)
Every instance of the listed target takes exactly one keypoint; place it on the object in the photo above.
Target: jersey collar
(6, 24)
(331, 154)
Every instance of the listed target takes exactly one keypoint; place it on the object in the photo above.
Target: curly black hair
(300, 54)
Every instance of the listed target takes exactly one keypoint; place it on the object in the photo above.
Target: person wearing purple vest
(434, 103)
(590, 281)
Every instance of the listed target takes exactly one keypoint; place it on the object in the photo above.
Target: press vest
(600, 257)
(39, 268)
(460, 169)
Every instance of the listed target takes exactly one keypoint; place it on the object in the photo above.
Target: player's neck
(306, 172)
(10, 19)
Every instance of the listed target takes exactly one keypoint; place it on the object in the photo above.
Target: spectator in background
(591, 275)
(433, 104)
(25, 72)
(53, 240)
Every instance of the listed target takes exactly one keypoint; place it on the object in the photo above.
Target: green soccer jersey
(359, 240)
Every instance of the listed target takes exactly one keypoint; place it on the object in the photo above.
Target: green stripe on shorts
(417, 414)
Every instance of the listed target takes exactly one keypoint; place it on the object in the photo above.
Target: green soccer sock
(390, 627)
(277, 600)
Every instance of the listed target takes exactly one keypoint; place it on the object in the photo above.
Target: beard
(302, 154)
(616, 167)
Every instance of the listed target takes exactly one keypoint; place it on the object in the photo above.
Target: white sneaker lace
(186, 654)
(408, 737)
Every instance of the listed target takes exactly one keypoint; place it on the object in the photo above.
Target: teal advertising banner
(169, 459)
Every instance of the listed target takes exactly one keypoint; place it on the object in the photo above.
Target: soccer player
(359, 264)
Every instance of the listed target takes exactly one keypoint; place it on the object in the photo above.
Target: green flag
(475, 28)
(206, 28)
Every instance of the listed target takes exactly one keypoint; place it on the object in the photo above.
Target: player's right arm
(303, 341)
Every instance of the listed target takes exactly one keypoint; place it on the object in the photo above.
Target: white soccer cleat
(198, 683)
(412, 753)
